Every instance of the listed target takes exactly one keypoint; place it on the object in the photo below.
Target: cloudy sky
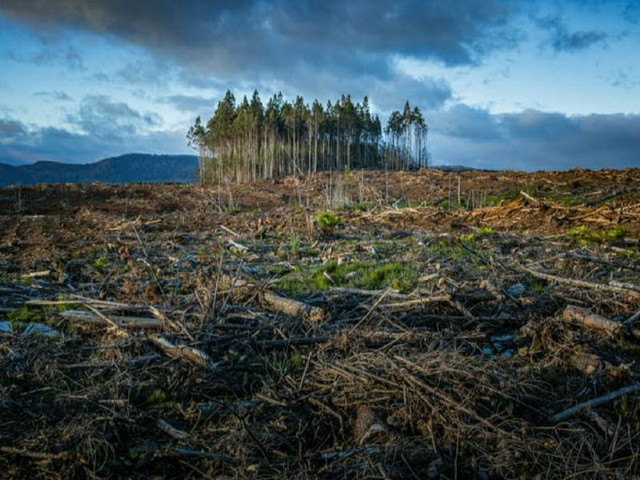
(503, 84)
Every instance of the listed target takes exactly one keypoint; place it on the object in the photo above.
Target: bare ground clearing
(411, 332)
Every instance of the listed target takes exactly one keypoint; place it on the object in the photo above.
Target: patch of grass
(294, 244)
(368, 276)
(485, 232)
(450, 250)
(25, 315)
(583, 236)
(284, 363)
(631, 254)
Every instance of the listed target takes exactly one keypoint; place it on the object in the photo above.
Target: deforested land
(359, 324)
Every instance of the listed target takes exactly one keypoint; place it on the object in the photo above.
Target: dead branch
(595, 402)
(130, 323)
(581, 283)
(198, 357)
(586, 318)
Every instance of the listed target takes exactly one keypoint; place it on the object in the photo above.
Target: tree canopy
(247, 140)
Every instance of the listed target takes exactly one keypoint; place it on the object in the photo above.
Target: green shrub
(327, 221)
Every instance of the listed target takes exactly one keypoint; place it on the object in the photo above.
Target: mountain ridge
(127, 168)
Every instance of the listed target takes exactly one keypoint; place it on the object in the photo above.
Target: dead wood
(582, 283)
(274, 302)
(595, 402)
(130, 323)
(586, 318)
(198, 357)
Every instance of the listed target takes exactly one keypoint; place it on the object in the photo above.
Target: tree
(246, 141)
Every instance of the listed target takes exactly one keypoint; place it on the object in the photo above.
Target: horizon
(502, 84)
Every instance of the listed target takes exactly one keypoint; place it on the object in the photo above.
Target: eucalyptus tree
(250, 140)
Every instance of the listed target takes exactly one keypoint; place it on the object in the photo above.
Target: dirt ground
(360, 325)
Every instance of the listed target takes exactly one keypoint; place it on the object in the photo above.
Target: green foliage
(450, 250)
(161, 400)
(294, 244)
(327, 221)
(470, 238)
(368, 276)
(100, 264)
(582, 236)
(485, 232)
(247, 140)
(25, 315)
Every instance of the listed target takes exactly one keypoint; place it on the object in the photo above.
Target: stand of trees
(250, 141)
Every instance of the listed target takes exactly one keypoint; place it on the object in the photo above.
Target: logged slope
(123, 169)
(157, 330)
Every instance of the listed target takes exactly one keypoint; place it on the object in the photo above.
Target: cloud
(100, 127)
(11, 130)
(22, 143)
(534, 140)
(49, 55)
(247, 37)
(54, 95)
(625, 79)
(190, 103)
(99, 116)
(139, 72)
(562, 40)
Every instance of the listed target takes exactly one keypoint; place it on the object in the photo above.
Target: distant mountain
(135, 167)
(458, 168)
(14, 163)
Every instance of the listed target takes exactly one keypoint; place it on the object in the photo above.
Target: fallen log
(586, 318)
(293, 308)
(198, 357)
(130, 323)
(275, 302)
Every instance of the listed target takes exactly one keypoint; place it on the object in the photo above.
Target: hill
(135, 167)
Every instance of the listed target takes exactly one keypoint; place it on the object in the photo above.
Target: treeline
(250, 141)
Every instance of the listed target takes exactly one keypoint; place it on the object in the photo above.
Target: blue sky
(503, 84)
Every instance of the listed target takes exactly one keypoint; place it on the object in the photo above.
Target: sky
(526, 85)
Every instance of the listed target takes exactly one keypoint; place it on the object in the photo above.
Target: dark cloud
(563, 40)
(54, 95)
(257, 36)
(534, 140)
(468, 123)
(11, 130)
